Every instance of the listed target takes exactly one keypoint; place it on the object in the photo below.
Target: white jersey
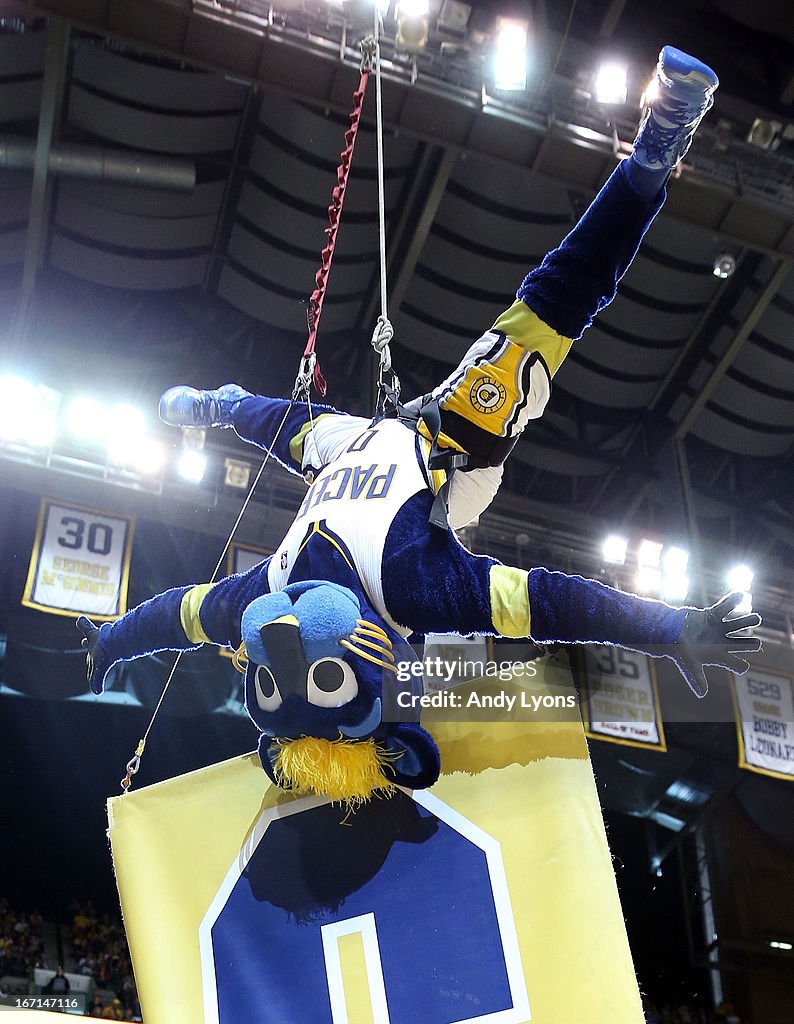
(372, 473)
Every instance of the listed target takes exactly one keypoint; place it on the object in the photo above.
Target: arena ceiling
(674, 413)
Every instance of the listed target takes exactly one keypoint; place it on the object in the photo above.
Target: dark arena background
(165, 172)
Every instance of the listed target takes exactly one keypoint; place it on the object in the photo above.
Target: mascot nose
(284, 647)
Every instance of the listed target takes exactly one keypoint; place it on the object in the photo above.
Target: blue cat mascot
(371, 556)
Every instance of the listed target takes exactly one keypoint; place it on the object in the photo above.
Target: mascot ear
(419, 762)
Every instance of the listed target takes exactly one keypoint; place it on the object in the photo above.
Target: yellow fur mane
(346, 771)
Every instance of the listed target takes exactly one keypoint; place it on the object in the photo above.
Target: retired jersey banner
(490, 898)
(764, 703)
(621, 702)
(80, 562)
(243, 557)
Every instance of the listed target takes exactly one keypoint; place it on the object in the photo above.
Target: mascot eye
(267, 696)
(332, 683)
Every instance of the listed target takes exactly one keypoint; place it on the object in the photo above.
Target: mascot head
(322, 686)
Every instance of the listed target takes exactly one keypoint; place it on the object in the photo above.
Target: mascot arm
(309, 438)
(176, 620)
(431, 583)
(570, 609)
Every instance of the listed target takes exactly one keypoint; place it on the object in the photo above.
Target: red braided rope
(334, 216)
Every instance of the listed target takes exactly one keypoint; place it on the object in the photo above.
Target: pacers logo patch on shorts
(487, 395)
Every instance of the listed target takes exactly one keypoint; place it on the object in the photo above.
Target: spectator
(87, 965)
(58, 985)
(114, 1012)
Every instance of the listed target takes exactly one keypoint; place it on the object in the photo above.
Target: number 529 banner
(80, 562)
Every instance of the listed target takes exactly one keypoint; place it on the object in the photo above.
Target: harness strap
(439, 458)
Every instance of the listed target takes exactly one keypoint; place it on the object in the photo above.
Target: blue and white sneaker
(184, 406)
(685, 91)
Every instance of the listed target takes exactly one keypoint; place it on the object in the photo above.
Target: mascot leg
(277, 425)
(503, 380)
(183, 406)
(581, 276)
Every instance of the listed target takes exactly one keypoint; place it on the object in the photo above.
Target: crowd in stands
(21, 941)
(685, 1014)
(98, 948)
(88, 943)
(94, 944)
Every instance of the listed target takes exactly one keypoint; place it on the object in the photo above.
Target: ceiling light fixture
(510, 55)
(611, 84)
(724, 265)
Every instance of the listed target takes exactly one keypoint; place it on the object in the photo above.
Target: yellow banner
(490, 898)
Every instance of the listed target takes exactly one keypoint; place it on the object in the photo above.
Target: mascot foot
(184, 406)
(684, 92)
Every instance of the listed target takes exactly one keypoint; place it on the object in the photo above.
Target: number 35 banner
(80, 562)
(621, 703)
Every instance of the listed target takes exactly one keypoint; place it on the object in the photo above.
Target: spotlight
(28, 413)
(126, 419)
(724, 265)
(192, 465)
(650, 92)
(675, 588)
(510, 57)
(675, 582)
(675, 561)
(413, 23)
(740, 578)
(125, 432)
(648, 579)
(85, 418)
(614, 549)
(611, 84)
(745, 606)
(649, 554)
(149, 457)
(18, 394)
(648, 574)
(777, 944)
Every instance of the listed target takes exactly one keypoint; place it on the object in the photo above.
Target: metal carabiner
(305, 376)
(369, 48)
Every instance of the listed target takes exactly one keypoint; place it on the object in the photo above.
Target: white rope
(381, 336)
(134, 764)
(383, 332)
(381, 185)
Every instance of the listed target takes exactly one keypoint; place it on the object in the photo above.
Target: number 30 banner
(80, 562)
